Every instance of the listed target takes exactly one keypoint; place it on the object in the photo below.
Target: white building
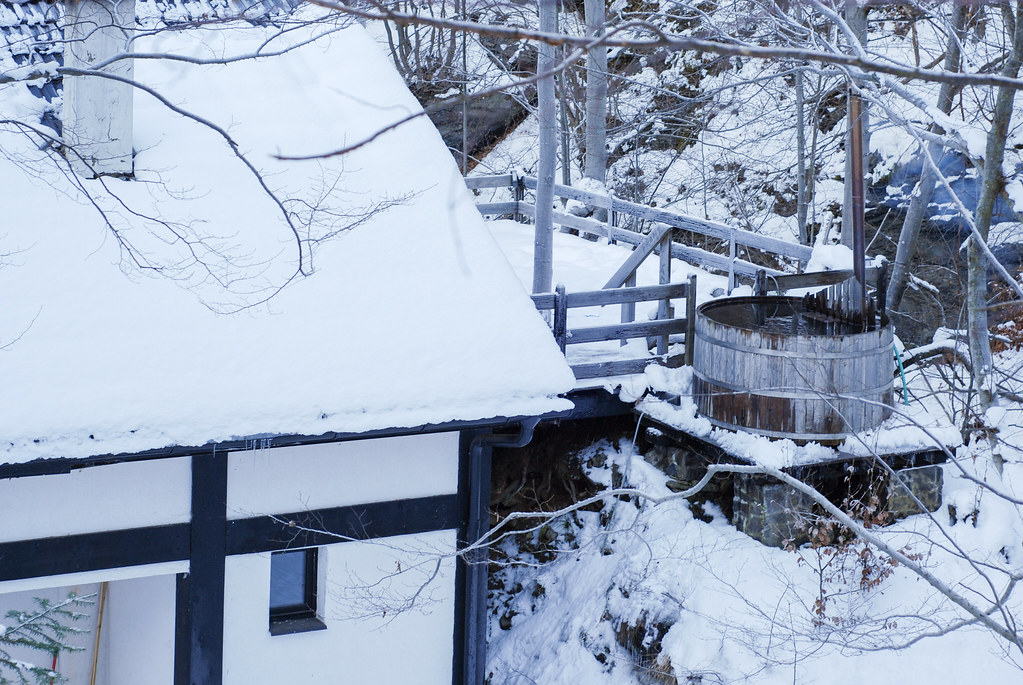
(273, 495)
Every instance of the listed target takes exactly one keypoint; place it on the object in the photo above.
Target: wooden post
(731, 262)
(207, 564)
(664, 306)
(629, 308)
(519, 190)
(560, 316)
(610, 217)
(690, 320)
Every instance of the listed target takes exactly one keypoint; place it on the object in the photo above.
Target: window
(293, 578)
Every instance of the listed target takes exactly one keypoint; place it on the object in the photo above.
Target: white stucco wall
(288, 479)
(136, 639)
(410, 646)
(137, 642)
(128, 495)
(75, 666)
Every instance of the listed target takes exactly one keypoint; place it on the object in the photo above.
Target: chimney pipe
(97, 112)
(857, 209)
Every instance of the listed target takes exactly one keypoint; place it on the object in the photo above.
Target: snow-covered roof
(412, 317)
(31, 36)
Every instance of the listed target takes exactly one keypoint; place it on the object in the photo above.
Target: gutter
(57, 465)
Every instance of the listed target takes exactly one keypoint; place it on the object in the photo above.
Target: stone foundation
(777, 515)
(770, 511)
(922, 483)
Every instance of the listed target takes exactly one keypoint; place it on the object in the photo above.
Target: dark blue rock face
(963, 179)
(944, 219)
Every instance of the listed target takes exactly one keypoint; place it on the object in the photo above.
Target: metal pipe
(856, 151)
(476, 559)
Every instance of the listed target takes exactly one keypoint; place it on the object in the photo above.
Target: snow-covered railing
(617, 207)
(662, 328)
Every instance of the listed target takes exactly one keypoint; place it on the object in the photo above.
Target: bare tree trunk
(801, 197)
(856, 18)
(921, 197)
(596, 96)
(566, 143)
(544, 231)
(994, 153)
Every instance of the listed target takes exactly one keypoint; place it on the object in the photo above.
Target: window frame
(300, 617)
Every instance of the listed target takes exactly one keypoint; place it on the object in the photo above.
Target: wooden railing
(665, 326)
(659, 219)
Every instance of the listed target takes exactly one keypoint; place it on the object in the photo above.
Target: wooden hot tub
(769, 366)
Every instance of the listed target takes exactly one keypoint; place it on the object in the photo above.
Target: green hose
(902, 372)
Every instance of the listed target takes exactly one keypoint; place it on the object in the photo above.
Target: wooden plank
(497, 181)
(622, 331)
(619, 367)
(641, 252)
(812, 279)
(497, 207)
(579, 223)
(696, 255)
(643, 293)
(586, 225)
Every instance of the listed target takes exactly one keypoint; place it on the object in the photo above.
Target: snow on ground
(402, 322)
(641, 591)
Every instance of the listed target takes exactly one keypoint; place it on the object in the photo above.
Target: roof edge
(44, 466)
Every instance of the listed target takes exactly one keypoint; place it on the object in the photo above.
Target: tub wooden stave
(804, 387)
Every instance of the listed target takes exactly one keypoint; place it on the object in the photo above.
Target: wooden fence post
(560, 316)
(519, 191)
(664, 306)
(731, 261)
(629, 308)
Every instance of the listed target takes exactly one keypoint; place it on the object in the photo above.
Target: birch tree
(992, 183)
(596, 96)
(544, 228)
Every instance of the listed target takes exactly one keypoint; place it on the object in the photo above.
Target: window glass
(288, 578)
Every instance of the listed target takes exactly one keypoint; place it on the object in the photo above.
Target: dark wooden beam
(93, 551)
(43, 557)
(342, 524)
(182, 631)
(207, 560)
